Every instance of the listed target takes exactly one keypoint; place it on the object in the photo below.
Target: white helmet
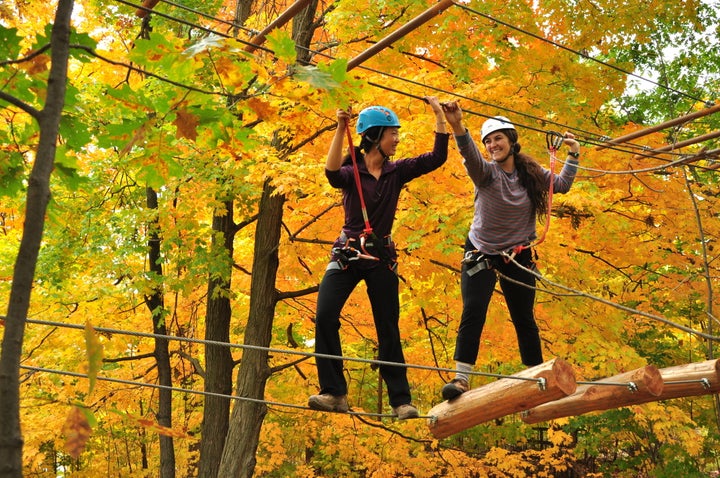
(493, 124)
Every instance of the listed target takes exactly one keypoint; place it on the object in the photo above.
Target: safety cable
(583, 55)
(202, 392)
(579, 293)
(267, 349)
(601, 141)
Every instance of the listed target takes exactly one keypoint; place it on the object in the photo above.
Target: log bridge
(549, 391)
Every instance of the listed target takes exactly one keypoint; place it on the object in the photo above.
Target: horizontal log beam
(659, 127)
(690, 380)
(636, 386)
(543, 383)
(413, 24)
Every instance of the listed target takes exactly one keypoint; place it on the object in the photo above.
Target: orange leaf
(186, 124)
(77, 432)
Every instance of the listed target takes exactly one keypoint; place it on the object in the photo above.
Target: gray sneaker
(328, 403)
(403, 412)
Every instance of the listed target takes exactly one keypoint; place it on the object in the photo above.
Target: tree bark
(38, 195)
(238, 458)
(218, 358)
(156, 304)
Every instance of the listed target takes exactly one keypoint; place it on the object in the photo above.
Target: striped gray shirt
(503, 215)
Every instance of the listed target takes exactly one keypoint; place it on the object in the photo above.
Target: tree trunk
(239, 455)
(218, 358)
(156, 305)
(38, 195)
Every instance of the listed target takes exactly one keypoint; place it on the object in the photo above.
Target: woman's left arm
(565, 179)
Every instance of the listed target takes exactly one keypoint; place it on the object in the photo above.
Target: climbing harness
(476, 261)
(369, 241)
(553, 140)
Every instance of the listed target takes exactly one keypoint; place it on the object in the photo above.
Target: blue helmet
(376, 116)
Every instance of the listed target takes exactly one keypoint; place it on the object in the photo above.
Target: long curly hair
(531, 176)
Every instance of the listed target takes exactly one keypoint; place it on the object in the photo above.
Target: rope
(578, 293)
(358, 183)
(269, 349)
(554, 140)
(201, 392)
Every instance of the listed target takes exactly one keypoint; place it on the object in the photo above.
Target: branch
(32, 55)
(145, 72)
(22, 105)
(193, 361)
(127, 359)
(296, 293)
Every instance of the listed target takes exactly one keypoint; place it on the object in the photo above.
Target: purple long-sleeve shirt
(381, 195)
(504, 216)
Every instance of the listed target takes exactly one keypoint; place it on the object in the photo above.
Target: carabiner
(554, 140)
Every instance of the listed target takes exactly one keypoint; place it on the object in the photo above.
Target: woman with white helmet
(355, 257)
(511, 191)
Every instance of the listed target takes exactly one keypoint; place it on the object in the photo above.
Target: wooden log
(542, 383)
(689, 380)
(652, 129)
(628, 388)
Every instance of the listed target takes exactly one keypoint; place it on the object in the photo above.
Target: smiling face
(390, 139)
(498, 146)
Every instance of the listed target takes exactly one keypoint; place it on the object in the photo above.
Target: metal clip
(542, 384)
(554, 140)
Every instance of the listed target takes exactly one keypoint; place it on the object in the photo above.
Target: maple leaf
(186, 124)
(77, 432)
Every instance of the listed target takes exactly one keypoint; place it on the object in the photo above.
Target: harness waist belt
(386, 241)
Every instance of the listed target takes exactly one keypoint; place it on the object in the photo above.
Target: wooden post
(413, 24)
(281, 20)
(661, 126)
(503, 397)
(643, 384)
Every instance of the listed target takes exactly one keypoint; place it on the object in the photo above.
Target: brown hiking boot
(455, 388)
(328, 403)
(403, 412)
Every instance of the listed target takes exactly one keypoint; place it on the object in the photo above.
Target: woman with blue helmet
(511, 190)
(353, 260)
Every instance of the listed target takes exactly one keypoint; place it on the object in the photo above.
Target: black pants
(382, 289)
(477, 291)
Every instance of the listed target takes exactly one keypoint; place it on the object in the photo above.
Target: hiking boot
(455, 388)
(328, 403)
(403, 412)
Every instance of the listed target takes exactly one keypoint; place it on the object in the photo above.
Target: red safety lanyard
(368, 231)
(554, 140)
(358, 184)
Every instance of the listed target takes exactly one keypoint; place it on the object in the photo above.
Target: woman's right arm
(473, 159)
(335, 153)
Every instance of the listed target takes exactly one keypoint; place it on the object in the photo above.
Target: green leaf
(9, 42)
(283, 46)
(316, 77)
(94, 354)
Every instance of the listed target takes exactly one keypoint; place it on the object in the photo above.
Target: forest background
(189, 210)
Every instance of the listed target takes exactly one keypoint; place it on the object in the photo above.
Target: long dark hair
(531, 176)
